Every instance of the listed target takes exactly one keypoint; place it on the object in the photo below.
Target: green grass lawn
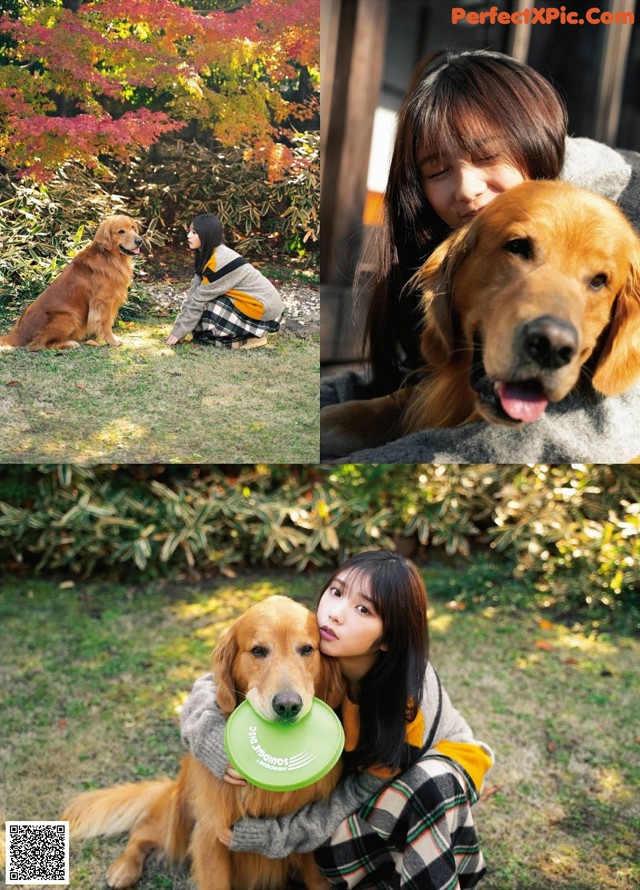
(95, 675)
(146, 402)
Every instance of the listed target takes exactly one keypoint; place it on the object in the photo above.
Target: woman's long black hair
(209, 229)
(453, 98)
(391, 692)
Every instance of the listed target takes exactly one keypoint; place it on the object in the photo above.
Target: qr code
(37, 853)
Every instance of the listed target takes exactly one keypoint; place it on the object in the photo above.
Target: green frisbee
(283, 756)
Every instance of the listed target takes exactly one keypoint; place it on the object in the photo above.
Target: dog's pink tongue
(520, 403)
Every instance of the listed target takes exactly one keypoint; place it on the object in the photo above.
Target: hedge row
(571, 533)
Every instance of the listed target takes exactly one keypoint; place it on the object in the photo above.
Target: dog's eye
(598, 281)
(259, 651)
(122, 232)
(520, 246)
(306, 650)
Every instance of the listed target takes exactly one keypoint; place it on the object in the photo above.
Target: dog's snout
(551, 342)
(138, 240)
(287, 705)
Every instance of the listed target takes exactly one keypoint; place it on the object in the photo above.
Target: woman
(472, 125)
(230, 303)
(413, 767)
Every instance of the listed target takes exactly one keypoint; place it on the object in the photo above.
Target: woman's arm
(191, 311)
(307, 828)
(202, 725)
(447, 732)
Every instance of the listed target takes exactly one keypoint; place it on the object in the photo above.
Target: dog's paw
(123, 873)
(115, 341)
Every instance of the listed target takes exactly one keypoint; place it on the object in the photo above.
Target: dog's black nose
(287, 705)
(138, 240)
(551, 342)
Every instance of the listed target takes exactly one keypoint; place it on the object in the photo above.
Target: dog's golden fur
(85, 298)
(543, 254)
(272, 648)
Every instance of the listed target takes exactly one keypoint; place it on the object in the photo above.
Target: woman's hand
(233, 778)
(171, 340)
(224, 836)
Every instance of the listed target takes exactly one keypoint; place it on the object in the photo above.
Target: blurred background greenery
(561, 538)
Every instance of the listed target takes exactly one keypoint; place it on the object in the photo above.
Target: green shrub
(570, 533)
(43, 226)
(260, 218)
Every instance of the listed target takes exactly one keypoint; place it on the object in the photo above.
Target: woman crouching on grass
(230, 303)
(401, 816)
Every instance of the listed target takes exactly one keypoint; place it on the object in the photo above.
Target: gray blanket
(578, 429)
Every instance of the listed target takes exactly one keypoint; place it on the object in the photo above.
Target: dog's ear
(103, 235)
(618, 366)
(330, 686)
(435, 280)
(222, 662)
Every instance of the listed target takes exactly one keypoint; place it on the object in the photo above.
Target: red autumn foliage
(111, 78)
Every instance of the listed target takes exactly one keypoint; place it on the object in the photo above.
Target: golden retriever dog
(85, 298)
(537, 295)
(270, 657)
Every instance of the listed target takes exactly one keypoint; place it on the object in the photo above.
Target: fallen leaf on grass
(13, 383)
(455, 606)
(490, 791)
(91, 343)
(545, 624)
(80, 386)
(543, 644)
(67, 585)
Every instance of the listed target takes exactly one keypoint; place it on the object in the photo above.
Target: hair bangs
(460, 125)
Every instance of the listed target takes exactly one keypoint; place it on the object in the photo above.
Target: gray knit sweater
(202, 727)
(228, 274)
(585, 430)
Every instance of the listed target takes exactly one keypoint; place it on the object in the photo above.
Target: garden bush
(570, 533)
(43, 226)
(262, 218)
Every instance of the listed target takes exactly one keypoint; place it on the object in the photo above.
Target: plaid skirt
(222, 321)
(417, 833)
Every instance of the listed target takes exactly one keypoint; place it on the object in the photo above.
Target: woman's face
(457, 189)
(193, 239)
(348, 622)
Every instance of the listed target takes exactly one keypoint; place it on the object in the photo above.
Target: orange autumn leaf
(545, 624)
(455, 606)
(544, 645)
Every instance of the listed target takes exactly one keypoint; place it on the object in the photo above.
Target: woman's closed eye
(436, 174)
